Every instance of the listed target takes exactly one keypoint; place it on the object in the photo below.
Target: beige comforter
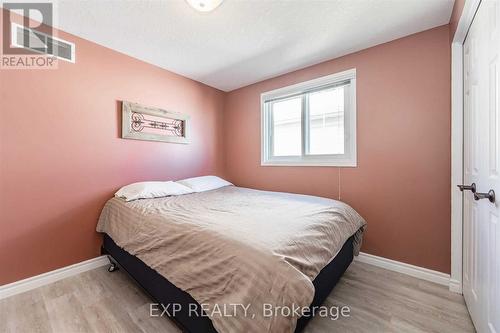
(236, 246)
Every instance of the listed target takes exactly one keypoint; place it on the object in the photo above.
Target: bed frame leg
(112, 265)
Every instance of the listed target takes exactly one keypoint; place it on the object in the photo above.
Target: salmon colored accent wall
(62, 156)
(402, 183)
(458, 7)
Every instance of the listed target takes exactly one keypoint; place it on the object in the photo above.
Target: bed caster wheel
(113, 267)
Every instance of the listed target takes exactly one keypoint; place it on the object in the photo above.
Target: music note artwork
(153, 124)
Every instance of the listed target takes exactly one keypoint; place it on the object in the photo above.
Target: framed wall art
(153, 124)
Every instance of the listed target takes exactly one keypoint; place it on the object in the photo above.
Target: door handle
(471, 187)
(490, 196)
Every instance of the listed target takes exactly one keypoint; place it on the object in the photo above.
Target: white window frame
(348, 159)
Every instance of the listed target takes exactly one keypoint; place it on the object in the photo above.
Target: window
(311, 123)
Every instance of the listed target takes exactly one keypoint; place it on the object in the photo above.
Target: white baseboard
(61, 273)
(40, 280)
(455, 286)
(401, 267)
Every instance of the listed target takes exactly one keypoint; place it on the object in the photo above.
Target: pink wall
(458, 7)
(402, 182)
(62, 156)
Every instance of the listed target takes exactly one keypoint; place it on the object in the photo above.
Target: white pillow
(204, 183)
(149, 190)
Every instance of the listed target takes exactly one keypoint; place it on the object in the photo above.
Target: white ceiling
(245, 41)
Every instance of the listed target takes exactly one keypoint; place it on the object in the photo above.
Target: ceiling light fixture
(204, 5)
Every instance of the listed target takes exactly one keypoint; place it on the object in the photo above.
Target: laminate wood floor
(98, 301)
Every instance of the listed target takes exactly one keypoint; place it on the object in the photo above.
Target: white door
(481, 256)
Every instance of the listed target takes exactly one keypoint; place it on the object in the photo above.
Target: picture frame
(141, 122)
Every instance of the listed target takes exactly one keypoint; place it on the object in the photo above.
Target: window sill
(340, 164)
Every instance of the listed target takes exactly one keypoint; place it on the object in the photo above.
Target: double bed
(246, 251)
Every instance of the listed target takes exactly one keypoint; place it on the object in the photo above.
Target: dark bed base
(164, 292)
